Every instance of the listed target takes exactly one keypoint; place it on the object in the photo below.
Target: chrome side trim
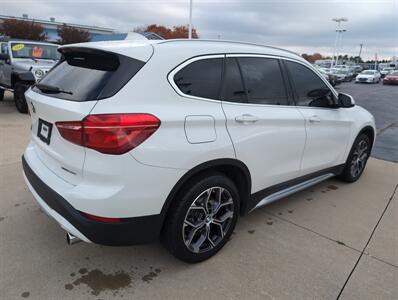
(291, 190)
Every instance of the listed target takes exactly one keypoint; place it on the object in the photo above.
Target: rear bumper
(130, 231)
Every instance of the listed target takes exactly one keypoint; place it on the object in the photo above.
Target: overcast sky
(301, 26)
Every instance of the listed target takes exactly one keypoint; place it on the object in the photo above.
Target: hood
(365, 76)
(28, 64)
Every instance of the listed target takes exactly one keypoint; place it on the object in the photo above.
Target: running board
(293, 189)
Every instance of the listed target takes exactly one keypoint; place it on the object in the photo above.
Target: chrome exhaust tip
(71, 239)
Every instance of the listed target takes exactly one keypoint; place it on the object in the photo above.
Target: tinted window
(234, 90)
(90, 74)
(310, 89)
(263, 80)
(201, 78)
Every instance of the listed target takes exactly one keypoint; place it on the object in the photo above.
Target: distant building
(96, 33)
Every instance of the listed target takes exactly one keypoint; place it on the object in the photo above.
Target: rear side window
(310, 89)
(234, 90)
(201, 78)
(263, 80)
(88, 74)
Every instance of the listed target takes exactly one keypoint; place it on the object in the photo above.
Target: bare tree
(70, 35)
(27, 30)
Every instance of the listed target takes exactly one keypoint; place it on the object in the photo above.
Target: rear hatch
(69, 92)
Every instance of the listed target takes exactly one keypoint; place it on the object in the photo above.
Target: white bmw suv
(134, 141)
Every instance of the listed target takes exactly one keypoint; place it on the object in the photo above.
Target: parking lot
(382, 101)
(332, 240)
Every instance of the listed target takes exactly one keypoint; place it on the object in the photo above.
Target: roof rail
(228, 41)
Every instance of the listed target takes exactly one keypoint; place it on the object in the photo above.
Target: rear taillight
(110, 133)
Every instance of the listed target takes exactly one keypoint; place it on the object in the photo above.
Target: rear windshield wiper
(51, 89)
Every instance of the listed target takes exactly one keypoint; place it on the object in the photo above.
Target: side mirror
(346, 100)
(5, 57)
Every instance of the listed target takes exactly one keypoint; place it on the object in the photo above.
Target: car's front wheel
(357, 159)
(1, 94)
(19, 97)
(203, 218)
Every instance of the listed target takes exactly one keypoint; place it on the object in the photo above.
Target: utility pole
(190, 20)
(338, 32)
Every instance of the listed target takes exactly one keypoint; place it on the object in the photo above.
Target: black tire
(1, 94)
(19, 97)
(181, 238)
(350, 172)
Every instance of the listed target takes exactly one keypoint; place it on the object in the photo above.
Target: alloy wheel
(208, 219)
(359, 158)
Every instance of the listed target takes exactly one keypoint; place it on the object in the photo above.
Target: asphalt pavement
(382, 101)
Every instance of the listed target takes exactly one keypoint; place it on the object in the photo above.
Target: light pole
(338, 31)
(360, 51)
(190, 20)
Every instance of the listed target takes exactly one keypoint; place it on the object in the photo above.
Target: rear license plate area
(44, 131)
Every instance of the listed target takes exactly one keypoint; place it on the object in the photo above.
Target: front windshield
(395, 73)
(34, 51)
(368, 72)
(341, 72)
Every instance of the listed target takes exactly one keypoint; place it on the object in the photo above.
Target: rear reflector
(101, 219)
(110, 133)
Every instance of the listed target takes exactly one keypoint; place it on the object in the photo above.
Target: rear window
(87, 74)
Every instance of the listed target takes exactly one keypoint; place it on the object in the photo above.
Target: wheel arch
(26, 77)
(370, 132)
(234, 169)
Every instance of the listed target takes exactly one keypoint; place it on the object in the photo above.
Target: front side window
(201, 78)
(310, 89)
(263, 80)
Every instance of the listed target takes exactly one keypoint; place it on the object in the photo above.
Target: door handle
(246, 118)
(314, 119)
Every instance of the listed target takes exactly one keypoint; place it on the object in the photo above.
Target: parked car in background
(391, 78)
(386, 71)
(22, 64)
(333, 80)
(368, 76)
(343, 74)
(176, 139)
(339, 67)
(357, 69)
